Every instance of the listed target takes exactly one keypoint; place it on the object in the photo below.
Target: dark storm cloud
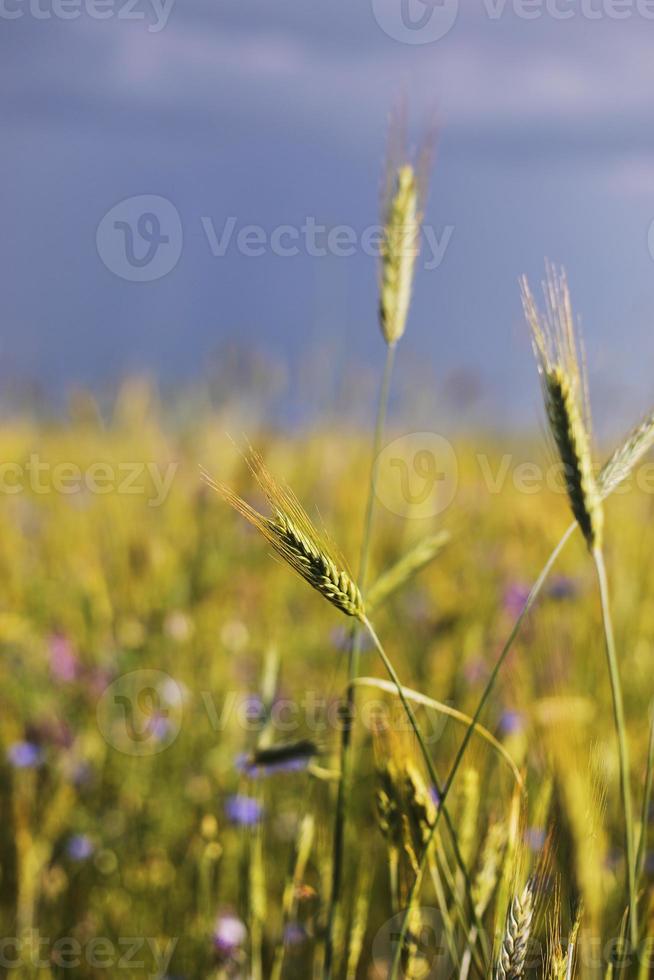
(272, 112)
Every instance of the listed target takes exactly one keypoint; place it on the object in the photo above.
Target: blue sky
(272, 113)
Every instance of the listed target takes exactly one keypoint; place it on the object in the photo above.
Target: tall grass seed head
(566, 400)
(622, 461)
(295, 539)
(513, 952)
(404, 193)
(399, 250)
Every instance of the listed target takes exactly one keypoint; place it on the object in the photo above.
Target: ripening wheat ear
(403, 200)
(295, 539)
(513, 954)
(622, 461)
(564, 392)
(399, 250)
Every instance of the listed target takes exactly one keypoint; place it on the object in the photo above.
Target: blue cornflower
(563, 587)
(243, 810)
(294, 934)
(79, 847)
(24, 755)
(512, 722)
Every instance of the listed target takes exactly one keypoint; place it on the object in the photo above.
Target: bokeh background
(139, 622)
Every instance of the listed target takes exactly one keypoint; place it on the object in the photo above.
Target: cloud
(274, 111)
(484, 72)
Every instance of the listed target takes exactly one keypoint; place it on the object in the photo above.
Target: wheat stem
(531, 598)
(621, 731)
(647, 796)
(440, 790)
(380, 426)
(338, 846)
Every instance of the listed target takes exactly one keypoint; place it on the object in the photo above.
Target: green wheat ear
(295, 539)
(399, 250)
(622, 461)
(565, 396)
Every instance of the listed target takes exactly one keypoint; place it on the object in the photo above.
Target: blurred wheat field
(131, 810)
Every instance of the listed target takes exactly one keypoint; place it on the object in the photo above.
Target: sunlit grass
(186, 844)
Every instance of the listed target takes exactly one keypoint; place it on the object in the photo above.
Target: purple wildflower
(254, 710)
(64, 665)
(229, 935)
(81, 773)
(515, 597)
(340, 638)
(243, 810)
(512, 722)
(24, 755)
(435, 796)
(563, 587)
(535, 838)
(159, 725)
(79, 847)
(294, 934)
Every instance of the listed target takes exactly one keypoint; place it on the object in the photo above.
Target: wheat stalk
(531, 598)
(564, 392)
(513, 952)
(634, 447)
(566, 400)
(414, 964)
(295, 539)
(484, 885)
(397, 266)
(559, 963)
(623, 744)
(491, 862)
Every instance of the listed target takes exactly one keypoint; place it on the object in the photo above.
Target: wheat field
(443, 770)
